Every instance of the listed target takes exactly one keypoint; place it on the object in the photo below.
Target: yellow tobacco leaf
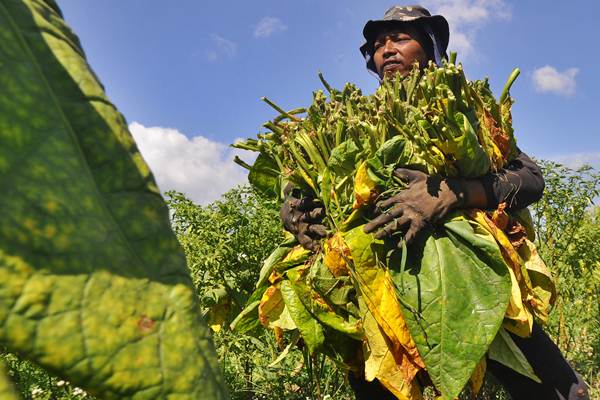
(364, 186)
(476, 381)
(381, 364)
(519, 319)
(272, 311)
(296, 256)
(543, 288)
(379, 296)
(336, 254)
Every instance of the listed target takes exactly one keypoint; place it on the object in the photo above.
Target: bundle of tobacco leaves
(428, 312)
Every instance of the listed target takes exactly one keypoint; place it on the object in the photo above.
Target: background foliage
(226, 241)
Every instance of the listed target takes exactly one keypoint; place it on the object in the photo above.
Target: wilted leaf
(272, 311)
(336, 254)
(379, 295)
(476, 381)
(519, 318)
(93, 283)
(543, 288)
(364, 186)
(381, 364)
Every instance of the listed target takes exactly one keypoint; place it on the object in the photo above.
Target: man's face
(396, 50)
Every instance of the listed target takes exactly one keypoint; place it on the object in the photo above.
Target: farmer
(407, 35)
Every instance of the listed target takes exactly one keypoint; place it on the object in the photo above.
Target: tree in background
(568, 238)
(225, 243)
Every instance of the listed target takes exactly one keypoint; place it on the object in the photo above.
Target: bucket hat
(436, 27)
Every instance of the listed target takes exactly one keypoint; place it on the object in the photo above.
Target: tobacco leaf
(504, 350)
(93, 283)
(381, 364)
(454, 291)
(264, 176)
(310, 328)
(379, 295)
(272, 311)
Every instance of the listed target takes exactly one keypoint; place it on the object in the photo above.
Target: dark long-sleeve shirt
(519, 184)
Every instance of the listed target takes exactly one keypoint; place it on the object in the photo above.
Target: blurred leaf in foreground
(93, 283)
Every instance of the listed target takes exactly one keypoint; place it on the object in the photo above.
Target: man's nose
(389, 49)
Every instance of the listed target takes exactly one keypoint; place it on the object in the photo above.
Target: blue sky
(189, 76)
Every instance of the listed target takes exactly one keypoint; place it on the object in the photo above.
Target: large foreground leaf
(455, 289)
(93, 284)
(7, 391)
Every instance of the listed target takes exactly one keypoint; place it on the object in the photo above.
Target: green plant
(225, 244)
(568, 227)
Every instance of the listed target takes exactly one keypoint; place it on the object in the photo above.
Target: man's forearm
(519, 184)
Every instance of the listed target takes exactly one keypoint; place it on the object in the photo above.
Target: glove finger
(307, 204)
(384, 218)
(307, 242)
(408, 175)
(387, 203)
(289, 218)
(415, 229)
(318, 230)
(287, 190)
(315, 215)
(398, 224)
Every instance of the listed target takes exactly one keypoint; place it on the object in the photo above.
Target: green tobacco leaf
(93, 283)
(311, 330)
(504, 350)
(455, 290)
(264, 175)
(267, 268)
(317, 307)
(342, 160)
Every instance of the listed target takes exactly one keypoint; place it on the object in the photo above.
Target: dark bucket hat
(435, 25)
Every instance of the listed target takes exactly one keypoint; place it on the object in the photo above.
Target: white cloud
(222, 48)
(268, 26)
(466, 18)
(548, 80)
(199, 167)
(576, 160)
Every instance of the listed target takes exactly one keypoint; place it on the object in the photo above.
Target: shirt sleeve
(519, 184)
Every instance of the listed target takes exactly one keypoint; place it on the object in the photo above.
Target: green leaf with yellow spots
(93, 283)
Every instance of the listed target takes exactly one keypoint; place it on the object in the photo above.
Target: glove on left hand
(425, 201)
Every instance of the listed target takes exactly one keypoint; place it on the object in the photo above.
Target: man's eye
(377, 45)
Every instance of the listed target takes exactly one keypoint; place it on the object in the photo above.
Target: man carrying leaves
(406, 36)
